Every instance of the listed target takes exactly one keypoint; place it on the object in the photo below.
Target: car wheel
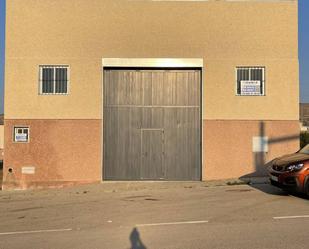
(272, 182)
(276, 184)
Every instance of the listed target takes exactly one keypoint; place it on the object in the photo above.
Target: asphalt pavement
(154, 215)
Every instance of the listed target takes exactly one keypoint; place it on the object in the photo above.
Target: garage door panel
(121, 138)
(158, 88)
(194, 79)
(152, 163)
(111, 86)
(122, 92)
(108, 82)
(147, 117)
(157, 117)
(153, 117)
(193, 147)
(170, 89)
(152, 124)
(181, 146)
(146, 78)
(181, 88)
(136, 89)
(133, 153)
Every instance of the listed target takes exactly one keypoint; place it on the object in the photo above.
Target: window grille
(250, 81)
(54, 79)
(21, 134)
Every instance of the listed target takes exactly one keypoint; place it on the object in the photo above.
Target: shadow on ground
(273, 190)
(269, 189)
(135, 239)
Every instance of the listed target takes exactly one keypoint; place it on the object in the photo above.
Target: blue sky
(2, 32)
(303, 50)
(303, 10)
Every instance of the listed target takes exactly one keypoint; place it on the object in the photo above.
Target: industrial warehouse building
(147, 90)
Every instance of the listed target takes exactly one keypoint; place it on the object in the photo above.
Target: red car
(291, 172)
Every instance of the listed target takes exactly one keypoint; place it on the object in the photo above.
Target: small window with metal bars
(54, 79)
(250, 81)
(21, 134)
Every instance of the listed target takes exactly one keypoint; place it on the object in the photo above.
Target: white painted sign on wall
(250, 87)
(29, 170)
(21, 138)
(260, 144)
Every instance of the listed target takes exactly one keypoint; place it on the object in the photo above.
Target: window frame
(250, 68)
(23, 127)
(54, 66)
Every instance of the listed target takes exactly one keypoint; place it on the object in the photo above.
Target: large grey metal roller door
(152, 124)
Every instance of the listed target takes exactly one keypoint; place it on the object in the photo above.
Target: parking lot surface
(154, 215)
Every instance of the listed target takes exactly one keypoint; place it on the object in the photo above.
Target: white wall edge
(153, 62)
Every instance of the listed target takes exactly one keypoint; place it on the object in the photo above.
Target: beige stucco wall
(80, 33)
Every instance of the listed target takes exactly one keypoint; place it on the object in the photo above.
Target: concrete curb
(119, 186)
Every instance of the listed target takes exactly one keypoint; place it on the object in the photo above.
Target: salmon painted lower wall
(62, 153)
(68, 152)
(228, 146)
